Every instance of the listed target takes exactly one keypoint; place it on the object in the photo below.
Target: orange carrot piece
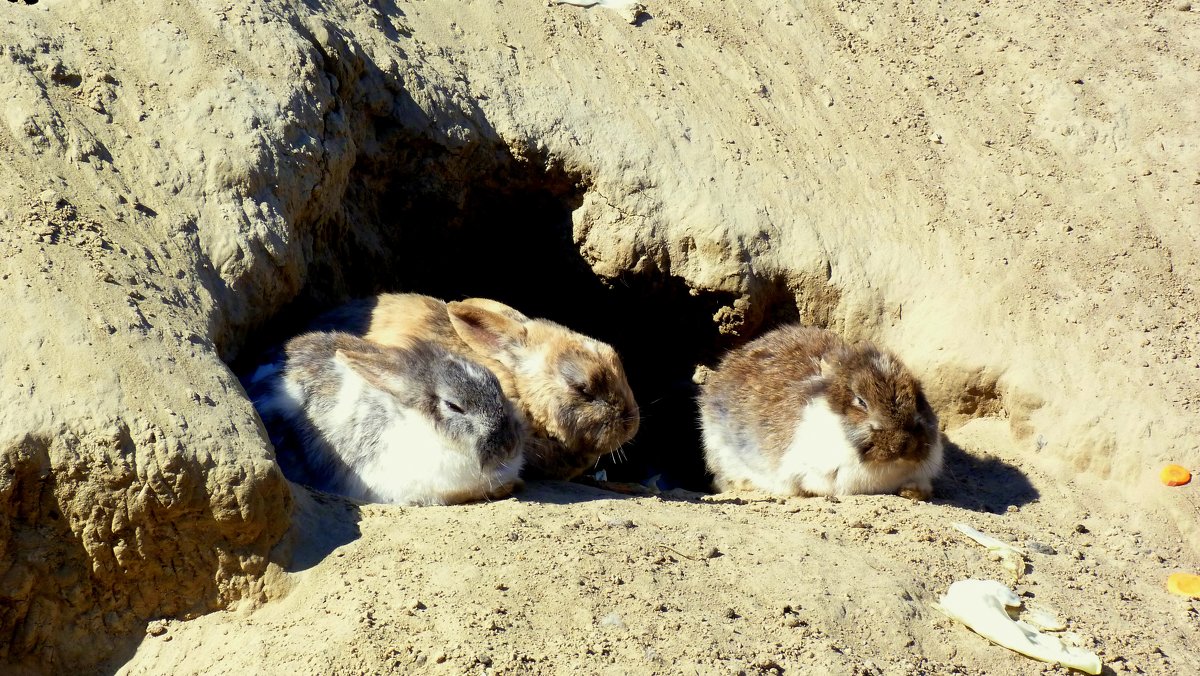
(1174, 475)
(1184, 584)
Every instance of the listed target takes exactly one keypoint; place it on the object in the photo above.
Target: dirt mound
(1005, 197)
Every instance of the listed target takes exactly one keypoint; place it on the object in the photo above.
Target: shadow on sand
(570, 492)
(981, 484)
(320, 524)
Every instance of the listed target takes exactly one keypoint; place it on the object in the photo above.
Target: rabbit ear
(491, 334)
(824, 367)
(374, 368)
(497, 307)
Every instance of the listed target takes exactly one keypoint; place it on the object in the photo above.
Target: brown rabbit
(797, 411)
(570, 389)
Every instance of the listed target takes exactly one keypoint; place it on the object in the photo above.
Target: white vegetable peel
(981, 605)
(1043, 619)
(1010, 556)
(993, 544)
(627, 9)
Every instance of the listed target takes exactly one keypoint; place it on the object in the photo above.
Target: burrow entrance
(481, 222)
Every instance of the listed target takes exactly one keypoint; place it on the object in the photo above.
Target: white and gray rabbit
(411, 425)
(797, 411)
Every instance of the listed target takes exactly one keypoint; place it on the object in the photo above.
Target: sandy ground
(1002, 193)
(568, 578)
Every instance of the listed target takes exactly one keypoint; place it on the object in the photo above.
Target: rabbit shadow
(566, 492)
(584, 489)
(981, 483)
(321, 522)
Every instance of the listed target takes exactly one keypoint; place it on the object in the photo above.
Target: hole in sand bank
(480, 222)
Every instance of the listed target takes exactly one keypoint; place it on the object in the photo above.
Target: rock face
(1000, 197)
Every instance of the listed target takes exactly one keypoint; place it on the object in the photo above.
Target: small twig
(668, 547)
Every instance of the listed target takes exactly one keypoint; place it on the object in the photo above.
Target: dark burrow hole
(483, 223)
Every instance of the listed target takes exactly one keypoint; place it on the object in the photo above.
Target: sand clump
(1002, 196)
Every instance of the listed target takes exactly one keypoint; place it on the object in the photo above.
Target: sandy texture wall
(1005, 196)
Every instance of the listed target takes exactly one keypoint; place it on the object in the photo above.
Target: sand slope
(1004, 194)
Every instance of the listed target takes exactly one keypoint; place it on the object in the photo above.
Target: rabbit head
(461, 399)
(885, 411)
(572, 389)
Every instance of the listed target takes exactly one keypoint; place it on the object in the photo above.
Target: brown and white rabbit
(412, 425)
(797, 411)
(570, 389)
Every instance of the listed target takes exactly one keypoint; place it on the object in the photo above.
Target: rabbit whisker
(618, 455)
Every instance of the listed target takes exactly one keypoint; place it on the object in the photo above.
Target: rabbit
(412, 425)
(797, 411)
(570, 389)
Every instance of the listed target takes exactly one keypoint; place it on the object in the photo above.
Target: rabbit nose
(499, 442)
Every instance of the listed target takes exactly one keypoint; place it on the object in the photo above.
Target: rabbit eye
(860, 402)
(584, 390)
(452, 406)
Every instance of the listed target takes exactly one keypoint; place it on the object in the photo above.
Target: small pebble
(616, 522)
(1035, 546)
(612, 620)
